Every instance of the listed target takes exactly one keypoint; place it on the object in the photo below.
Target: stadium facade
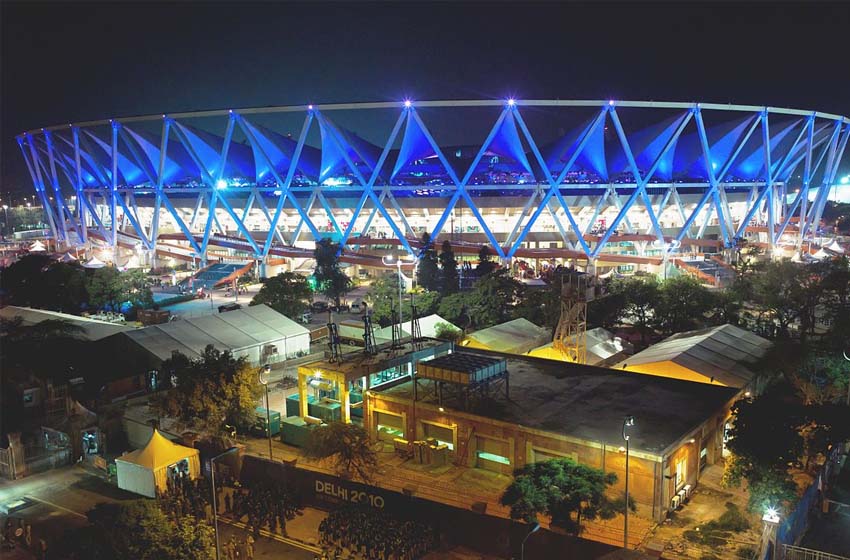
(551, 179)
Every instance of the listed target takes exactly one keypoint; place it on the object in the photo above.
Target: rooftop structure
(722, 355)
(603, 348)
(93, 329)
(513, 337)
(592, 174)
(257, 332)
(590, 403)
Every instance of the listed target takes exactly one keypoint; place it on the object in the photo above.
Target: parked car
(319, 306)
(306, 317)
(358, 306)
(341, 308)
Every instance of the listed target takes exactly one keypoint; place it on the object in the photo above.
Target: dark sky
(71, 62)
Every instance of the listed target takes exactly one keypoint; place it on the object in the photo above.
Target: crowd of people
(370, 534)
(266, 504)
(185, 496)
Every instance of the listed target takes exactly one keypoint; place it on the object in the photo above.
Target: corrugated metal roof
(723, 353)
(232, 330)
(517, 336)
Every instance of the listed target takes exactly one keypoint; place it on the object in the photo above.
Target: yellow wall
(672, 370)
(548, 352)
(472, 343)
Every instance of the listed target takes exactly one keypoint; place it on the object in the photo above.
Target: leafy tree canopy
(563, 490)
(216, 390)
(682, 304)
(332, 281)
(486, 264)
(448, 268)
(428, 272)
(286, 293)
(347, 445)
(492, 299)
(138, 530)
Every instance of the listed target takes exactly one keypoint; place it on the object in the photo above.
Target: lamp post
(628, 422)
(534, 528)
(215, 498)
(265, 371)
(388, 260)
(6, 219)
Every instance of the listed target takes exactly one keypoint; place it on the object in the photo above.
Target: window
(681, 471)
(442, 434)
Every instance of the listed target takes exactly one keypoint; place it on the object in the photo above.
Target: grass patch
(717, 532)
(746, 553)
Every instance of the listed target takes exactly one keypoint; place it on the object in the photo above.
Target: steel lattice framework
(550, 169)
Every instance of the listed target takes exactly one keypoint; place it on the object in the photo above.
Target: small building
(513, 337)
(499, 413)
(147, 471)
(603, 349)
(722, 355)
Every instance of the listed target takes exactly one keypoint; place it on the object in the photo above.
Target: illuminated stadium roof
(460, 151)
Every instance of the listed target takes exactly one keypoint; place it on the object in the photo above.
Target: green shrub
(746, 553)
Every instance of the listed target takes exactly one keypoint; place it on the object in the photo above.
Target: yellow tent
(145, 471)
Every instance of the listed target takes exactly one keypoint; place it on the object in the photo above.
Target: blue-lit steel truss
(92, 178)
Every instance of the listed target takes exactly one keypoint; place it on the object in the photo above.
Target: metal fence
(791, 552)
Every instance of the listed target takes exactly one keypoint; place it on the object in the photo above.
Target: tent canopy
(159, 453)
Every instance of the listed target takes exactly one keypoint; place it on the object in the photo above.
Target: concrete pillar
(302, 393)
(344, 399)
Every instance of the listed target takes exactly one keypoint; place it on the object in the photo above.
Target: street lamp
(6, 218)
(388, 260)
(628, 422)
(265, 371)
(534, 528)
(215, 498)
(846, 357)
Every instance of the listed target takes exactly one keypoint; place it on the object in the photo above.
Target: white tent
(821, 254)
(37, 247)
(94, 262)
(68, 258)
(145, 471)
(835, 247)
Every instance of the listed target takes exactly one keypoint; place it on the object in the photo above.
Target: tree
(383, 297)
(216, 389)
(486, 264)
(448, 267)
(138, 530)
(641, 296)
(541, 306)
(39, 281)
(110, 289)
(347, 445)
(453, 308)
(287, 293)
(606, 311)
(821, 379)
(445, 331)
(777, 290)
(492, 298)
(727, 307)
(428, 272)
(563, 490)
(332, 281)
(682, 304)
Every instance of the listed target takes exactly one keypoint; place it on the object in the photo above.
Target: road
(62, 497)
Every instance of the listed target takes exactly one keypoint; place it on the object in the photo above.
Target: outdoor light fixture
(407, 104)
(309, 107)
(621, 449)
(771, 515)
(442, 409)
(748, 393)
(265, 371)
(511, 102)
(628, 422)
(692, 440)
(221, 184)
(611, 103)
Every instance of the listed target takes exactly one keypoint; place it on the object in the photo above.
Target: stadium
(604, 182)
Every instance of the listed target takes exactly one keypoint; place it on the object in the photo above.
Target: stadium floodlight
(511, 102)
(408, 103)
(221, 184)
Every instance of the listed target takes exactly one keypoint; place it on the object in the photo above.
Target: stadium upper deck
(558, 177)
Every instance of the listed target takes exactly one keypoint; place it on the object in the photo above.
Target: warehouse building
(490, 412)
(512, 337)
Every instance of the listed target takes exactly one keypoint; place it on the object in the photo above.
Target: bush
(732, 519)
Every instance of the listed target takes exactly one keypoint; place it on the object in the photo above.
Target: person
(249, 547)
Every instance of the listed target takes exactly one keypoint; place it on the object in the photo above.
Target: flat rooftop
(589, 402)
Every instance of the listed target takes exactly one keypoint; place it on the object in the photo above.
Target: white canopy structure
(145, 471)
(94, 262)
(37, 247)
(835, 247)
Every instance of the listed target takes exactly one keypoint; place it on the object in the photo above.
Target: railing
(790, 552)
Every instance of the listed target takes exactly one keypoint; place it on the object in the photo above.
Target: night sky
(72, 62)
